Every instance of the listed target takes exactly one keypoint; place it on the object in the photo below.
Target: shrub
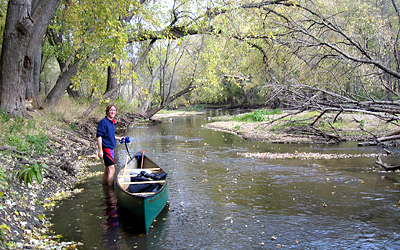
(258, 116)
(28, 172)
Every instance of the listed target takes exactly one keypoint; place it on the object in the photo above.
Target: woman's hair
(110, 106)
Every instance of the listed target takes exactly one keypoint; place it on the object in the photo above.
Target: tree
(26, 24)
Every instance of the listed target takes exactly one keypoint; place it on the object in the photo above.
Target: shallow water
(219, 200)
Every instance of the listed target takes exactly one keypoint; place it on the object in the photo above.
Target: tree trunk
(147, 102)
(112, 80)
(23, 34)
(73, 93)
(149, 113)
(36, 79)
(63, 82)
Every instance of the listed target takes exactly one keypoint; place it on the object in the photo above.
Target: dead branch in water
(385, 165)
(311, 130)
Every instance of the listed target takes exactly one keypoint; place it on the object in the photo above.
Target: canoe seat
(144, 193)
(143, 182)
(138, 170)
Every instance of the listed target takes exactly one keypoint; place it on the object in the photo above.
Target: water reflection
(110, 222)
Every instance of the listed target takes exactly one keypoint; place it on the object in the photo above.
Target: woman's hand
(101, 154)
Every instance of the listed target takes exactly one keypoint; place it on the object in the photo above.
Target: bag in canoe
(147, 187)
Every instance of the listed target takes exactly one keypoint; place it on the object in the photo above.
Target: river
(219, 200)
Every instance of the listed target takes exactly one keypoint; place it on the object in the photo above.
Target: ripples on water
(219, 200)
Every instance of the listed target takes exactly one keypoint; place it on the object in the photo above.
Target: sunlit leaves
(246, 48)
(94, 32)
(4, 229)
(3, 11)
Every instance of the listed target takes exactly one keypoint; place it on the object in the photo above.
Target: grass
(72, 110)
(68, 109)
(257, 116)
(29, 136)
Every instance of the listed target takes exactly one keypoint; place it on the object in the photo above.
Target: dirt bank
(71, 151)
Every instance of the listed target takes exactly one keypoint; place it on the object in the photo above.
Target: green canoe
(143, 206)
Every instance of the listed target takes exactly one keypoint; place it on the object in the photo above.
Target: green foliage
(100, 29)
(3, 14)
(257, 116)
(28, 172)
(17, 125)
(4, 115)
(15, 140)
(29, 143)
(30, 124)
(38, 143)
(72, 126)
(248, 117)
(277, 112)
(362, 123)
(21, 135)
(125, 107)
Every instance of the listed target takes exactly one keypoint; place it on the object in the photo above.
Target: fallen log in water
(388, 138)
(392, 137)
(368, 143)
(385, 165)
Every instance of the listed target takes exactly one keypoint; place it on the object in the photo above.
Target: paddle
(141, 165)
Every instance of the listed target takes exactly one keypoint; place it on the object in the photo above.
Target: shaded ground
(23, 208)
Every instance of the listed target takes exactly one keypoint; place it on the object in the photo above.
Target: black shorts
(108, 156)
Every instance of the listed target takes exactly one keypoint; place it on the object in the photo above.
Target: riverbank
(63, 151)
(285, 128)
